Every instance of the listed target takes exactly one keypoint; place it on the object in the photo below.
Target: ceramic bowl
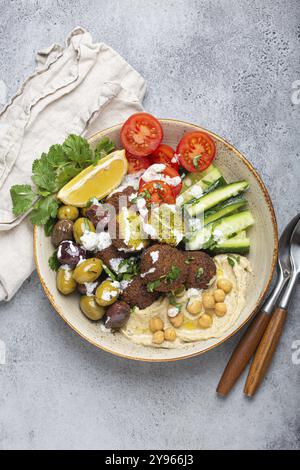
(263, 255)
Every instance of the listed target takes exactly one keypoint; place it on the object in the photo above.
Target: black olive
(70, 253)
(116, 315)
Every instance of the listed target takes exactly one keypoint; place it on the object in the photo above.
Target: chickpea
(194, 306)
(220, 309)
(205, 321)
(68, 212)
(156, 324)
(225, 285)
(107, 293)
(219, 295)
(178, 320)
(208, 300)
(158, 337)
(170, 334)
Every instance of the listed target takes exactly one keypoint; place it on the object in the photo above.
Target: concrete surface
(230, 66)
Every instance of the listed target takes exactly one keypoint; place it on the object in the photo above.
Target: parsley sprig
(50, 173)
(53, 261)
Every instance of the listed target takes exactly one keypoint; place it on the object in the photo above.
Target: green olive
(90, 308)
(65, 282)
(80, 226)
(68, 212)
(107, 293)
(88, 271)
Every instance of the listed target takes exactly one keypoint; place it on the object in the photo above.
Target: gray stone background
(228, 65)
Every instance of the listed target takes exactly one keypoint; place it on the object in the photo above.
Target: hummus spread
(232, 267)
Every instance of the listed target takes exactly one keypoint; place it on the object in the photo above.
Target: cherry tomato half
(196, 151)
(165, 154)
(137, 163)
(172, 173)
(169, 172)
(141, 134)
(157, 192)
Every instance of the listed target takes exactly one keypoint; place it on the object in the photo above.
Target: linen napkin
(80, 88)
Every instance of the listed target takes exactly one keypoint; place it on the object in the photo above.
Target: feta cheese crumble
(115, 264)
(173, 311)
(90, 287)
(132, 179)
(92, 241)
(154, 255)
(155, 172)
(151, 270)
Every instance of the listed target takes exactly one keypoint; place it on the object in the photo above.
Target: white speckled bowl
(263, 257)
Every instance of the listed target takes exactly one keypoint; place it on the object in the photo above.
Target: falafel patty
(201, 269)
(136, 294)
(109, 253)
(164, 266)
(114, 200)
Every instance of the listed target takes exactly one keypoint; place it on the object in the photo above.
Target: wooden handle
(265, 351)
(243, 353)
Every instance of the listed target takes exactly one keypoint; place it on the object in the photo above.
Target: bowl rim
(259, 300)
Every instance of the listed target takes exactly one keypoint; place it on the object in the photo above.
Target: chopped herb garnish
(128, 269)
(196, 159)
(173, 302)
(189, 260)
(200, 272)
(53, 261)
(91, 201)
(151, 286)
(144, 194)
(173, 274)
(232, 259)
(109, 272)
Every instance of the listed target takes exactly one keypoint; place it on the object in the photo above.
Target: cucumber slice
(201, 239)
(196, 191)
(215, 197)
(207, 177)
(216, 233)
(233, 245)
(225, 208)
(239, 235)
(228, 226)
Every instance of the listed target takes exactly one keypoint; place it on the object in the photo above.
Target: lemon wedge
(95, 180)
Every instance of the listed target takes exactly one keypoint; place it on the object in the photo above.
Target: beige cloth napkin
(80, 88)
